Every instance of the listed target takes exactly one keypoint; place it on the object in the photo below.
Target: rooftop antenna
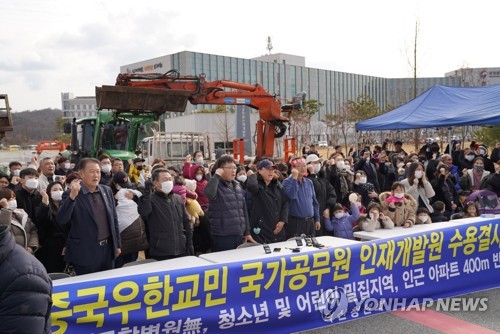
(269, 44)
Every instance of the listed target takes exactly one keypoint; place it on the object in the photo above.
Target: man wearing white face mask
(64, 167)
(14, 171)
(170, 232)
(325, 193)
(28, 197)
(106, 175)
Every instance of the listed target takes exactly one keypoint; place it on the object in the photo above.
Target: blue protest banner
(289, 293)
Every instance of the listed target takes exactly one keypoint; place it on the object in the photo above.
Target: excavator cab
(5, 116)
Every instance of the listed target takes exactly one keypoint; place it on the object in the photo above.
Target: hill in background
(30, 127)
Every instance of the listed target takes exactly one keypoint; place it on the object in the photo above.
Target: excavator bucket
(5, 116)
(158, 101)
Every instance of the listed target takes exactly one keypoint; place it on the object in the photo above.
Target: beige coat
(22, 228)
(370, 224)
(402, 213)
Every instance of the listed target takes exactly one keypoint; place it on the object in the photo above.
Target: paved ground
(427, 322)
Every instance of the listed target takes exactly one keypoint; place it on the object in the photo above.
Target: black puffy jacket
(25, 289)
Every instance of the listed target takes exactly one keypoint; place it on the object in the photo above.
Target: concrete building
(284, 75)
(77, 107)
(473, 77)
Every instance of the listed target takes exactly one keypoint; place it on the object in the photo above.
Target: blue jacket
(303, 202)
(342, 227)
(25, 289)
(82, 247)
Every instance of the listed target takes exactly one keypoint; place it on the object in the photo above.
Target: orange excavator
(158, 93)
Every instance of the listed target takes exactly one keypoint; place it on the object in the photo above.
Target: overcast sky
(48, 47)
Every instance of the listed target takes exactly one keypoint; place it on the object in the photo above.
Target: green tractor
(121, 114)
(107, 134)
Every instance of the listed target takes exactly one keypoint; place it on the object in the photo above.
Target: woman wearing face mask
(364, 188)
(340, 177)
(418, 187)
(21, 226)
(51, 234)
(445, 190)
(195, 159)
(399, 206)
(466, 158)
(471, 178)
(202, 241)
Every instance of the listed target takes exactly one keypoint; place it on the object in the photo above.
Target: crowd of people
(100, 213)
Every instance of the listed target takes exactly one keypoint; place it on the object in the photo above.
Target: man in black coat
(269, 212)
(25, 289)
(325, 193)
(170, 232)
(94, 239)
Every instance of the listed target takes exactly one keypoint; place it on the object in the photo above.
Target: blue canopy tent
(441, 106)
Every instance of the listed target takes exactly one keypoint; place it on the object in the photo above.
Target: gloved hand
(148, 185)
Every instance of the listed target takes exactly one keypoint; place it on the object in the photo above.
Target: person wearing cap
(303, 207)
(135, 170)
(227, 208)
(64, 166)
(325, 193)
(269, 211)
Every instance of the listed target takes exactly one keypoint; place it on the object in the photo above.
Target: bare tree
(300, 122)
(413, 66)
(330, 121)
(224, 124)
(344, 122)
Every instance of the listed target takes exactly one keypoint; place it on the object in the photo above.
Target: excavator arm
(159, 93)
